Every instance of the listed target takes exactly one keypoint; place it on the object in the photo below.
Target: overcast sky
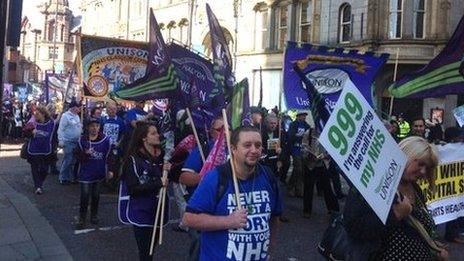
(31, 11)
(30, 7)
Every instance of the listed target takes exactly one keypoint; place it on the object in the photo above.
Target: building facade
(48, 44)
(416, 30)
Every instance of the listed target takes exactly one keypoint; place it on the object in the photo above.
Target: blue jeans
(66, 171)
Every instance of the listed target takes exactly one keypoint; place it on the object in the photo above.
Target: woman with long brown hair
(141, 181)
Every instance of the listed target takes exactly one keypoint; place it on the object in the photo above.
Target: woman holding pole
(410, 232)
(141, 181)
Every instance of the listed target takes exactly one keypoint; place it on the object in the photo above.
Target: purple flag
(191, 66)
(329, 72)
(221, 56)
(197, 84)
(160, 80)
(438, 78)
(319, 109)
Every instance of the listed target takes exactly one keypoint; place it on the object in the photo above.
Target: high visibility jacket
(404, 129)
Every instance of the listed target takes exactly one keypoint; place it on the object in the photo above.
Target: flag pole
(232, 163)
(163, 203)
(195, 134)
(158, 208)
(394, 80)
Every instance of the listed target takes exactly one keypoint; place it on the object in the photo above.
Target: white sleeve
(61, 127)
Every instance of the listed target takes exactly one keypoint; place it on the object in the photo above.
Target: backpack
(225, 174)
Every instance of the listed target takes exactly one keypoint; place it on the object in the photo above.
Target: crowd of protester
(121, 147)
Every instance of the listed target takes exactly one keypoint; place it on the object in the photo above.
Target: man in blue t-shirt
(113, 126)
(228, 233)
(135, 115)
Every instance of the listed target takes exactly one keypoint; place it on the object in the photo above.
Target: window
(51, 30)
(52, 52)
(62, 33)
(419, 15)
(305, 22)
(345, 23)
(261, 28)
(396, 15)
(282, 16)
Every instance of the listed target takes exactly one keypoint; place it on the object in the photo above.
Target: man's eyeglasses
(218, 129)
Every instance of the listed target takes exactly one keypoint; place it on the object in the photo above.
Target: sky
(31, 11)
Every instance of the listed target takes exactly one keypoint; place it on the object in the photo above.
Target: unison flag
(221, 56)
(319, 109)
(329, 70)
(192, 68)
(438, 78)
(106, 65)
(202, 115)
(239, 107)
(160, 80)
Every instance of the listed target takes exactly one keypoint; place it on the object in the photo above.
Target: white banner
(363, 148)
(447, 201)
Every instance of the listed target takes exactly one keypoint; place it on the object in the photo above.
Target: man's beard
(250, 166)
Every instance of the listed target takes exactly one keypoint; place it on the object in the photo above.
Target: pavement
(25, 233)
(41, 227)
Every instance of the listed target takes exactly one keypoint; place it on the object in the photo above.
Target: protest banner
(459, 115)
(329, 70)
(446, 202)
(365, 151)
(62, 86)
(109, 64)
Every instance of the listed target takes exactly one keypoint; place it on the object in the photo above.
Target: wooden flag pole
(163, 203)
(232, 163)
(394, 80)
(158, 209)
(195, 134)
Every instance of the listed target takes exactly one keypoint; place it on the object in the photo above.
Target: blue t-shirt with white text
(258, 196)
(113, 128)
(133, 115)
